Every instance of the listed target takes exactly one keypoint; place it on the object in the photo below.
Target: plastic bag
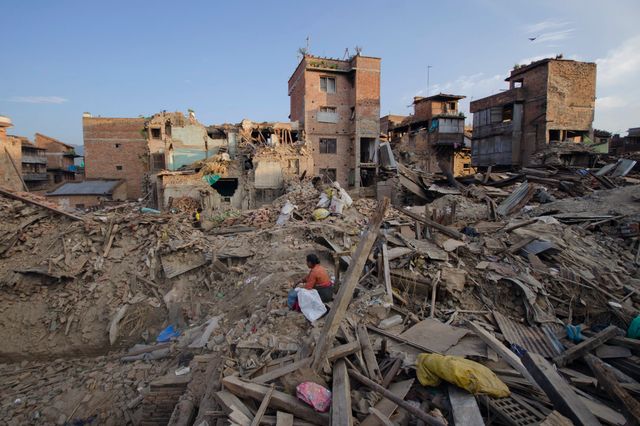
(469, 375)
(634, 329)
(311, 304)
(319, 214)
(315, 395)
(167, 334)
(344, 195)
(324, 201)
(337, 205)
(285, 213)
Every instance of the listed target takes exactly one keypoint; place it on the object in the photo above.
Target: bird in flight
(532, 38)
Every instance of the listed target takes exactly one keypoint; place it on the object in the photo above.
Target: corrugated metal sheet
(540, 340)
(512, 200)
(87, 187)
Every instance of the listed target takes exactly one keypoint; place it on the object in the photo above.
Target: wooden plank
(279, 400)
(341, 396)
(373, 370)
(229, 402)
(608, 381)
(39, 204)
(345, 294)
(466, 411)
(386, 406)
(387, 272)
(561, 395)
(334, 354)
(502, 350)
(400, 401)
(392, 373)
(586, 346)
(399, 339)
(444, 229)
(434, 289)
(284, 419)
(263, 407)
(381, 417)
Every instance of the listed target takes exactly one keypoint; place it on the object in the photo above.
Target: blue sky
(232, 60)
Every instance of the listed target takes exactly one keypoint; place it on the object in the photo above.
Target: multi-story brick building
(548, 101)
(337, 103)
(433, 137)
(60, 159)
(34, 166)
(116, 148)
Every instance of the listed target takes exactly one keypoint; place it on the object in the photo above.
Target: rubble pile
(446, 313)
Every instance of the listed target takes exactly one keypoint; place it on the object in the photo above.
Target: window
(328, 146)
(329, 174)
(117, 145)
(118, 167)
(157, 161)
(452, 106)
(517, 84)
(327, 114)
(328, 84)
(155, 133)
(328, 109)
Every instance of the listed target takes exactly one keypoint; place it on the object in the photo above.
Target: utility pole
(428, 72)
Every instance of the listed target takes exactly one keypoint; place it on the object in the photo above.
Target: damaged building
(433, 137)
(337, 103)
(549, 104)
(10, 158)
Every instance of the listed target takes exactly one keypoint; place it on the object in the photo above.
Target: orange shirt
(318, 276)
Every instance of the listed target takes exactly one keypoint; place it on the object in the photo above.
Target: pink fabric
(315, 395)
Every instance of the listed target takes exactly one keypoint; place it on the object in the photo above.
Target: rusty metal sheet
(540, 340)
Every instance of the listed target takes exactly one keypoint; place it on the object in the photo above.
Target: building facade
(337, 103)
(548, 101)
(60, 159)
(433, 137)
(34, 166)
(116, 149)
(10, 158)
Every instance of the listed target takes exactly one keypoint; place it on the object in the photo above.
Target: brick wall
(55, 152)
(571, 95)
(9, 178)
(116, 148)
(162, 398)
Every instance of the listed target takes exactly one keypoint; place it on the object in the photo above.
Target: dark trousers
(326, 293)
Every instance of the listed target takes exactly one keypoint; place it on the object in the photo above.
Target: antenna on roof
(358, 50)
(346, 54)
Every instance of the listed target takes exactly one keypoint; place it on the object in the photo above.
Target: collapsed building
(549, 104)
(627, 144)
(433, 137)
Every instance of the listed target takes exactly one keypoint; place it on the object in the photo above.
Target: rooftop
(5, 121)
(87, 187)
(524, 68)
(438, 97)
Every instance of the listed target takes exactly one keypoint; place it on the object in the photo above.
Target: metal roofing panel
(540, 340)
(87, 187)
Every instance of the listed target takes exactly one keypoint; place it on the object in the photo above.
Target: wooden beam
(341, 396)
(444, 229)
(586, 346)
(279, 400)
(510, 358)
(607, 380)
(15, 167)
(334, 354)
(373, 370)
(386, 406)
(392, 373)
(381, 417)
(400, 401)
(434, 289)
(284, 419)
(561, 395)
(345, 294)
(37, 203)
(263, 407)
(229, 402)
(465, 407)
(387, 272)
(399, 339)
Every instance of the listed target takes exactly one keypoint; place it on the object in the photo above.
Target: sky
(231, 60)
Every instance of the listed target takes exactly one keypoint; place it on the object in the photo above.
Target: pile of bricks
(163, 396)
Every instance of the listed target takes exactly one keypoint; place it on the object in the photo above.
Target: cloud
(618, 87)
(549, 24)
(620, 63)
(39, 99)
(554, 36)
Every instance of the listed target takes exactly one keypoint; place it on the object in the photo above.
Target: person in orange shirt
(318, 279)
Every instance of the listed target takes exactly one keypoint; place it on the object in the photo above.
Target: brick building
(548, 101)
(34, 166)
(622, 145)
(433, 136)
(10, 158)
(116, 148)
(88, 193)
(60, 159)
(337, 103)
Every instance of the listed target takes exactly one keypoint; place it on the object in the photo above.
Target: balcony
(27, 177)
(447, 139)
(34, 159)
